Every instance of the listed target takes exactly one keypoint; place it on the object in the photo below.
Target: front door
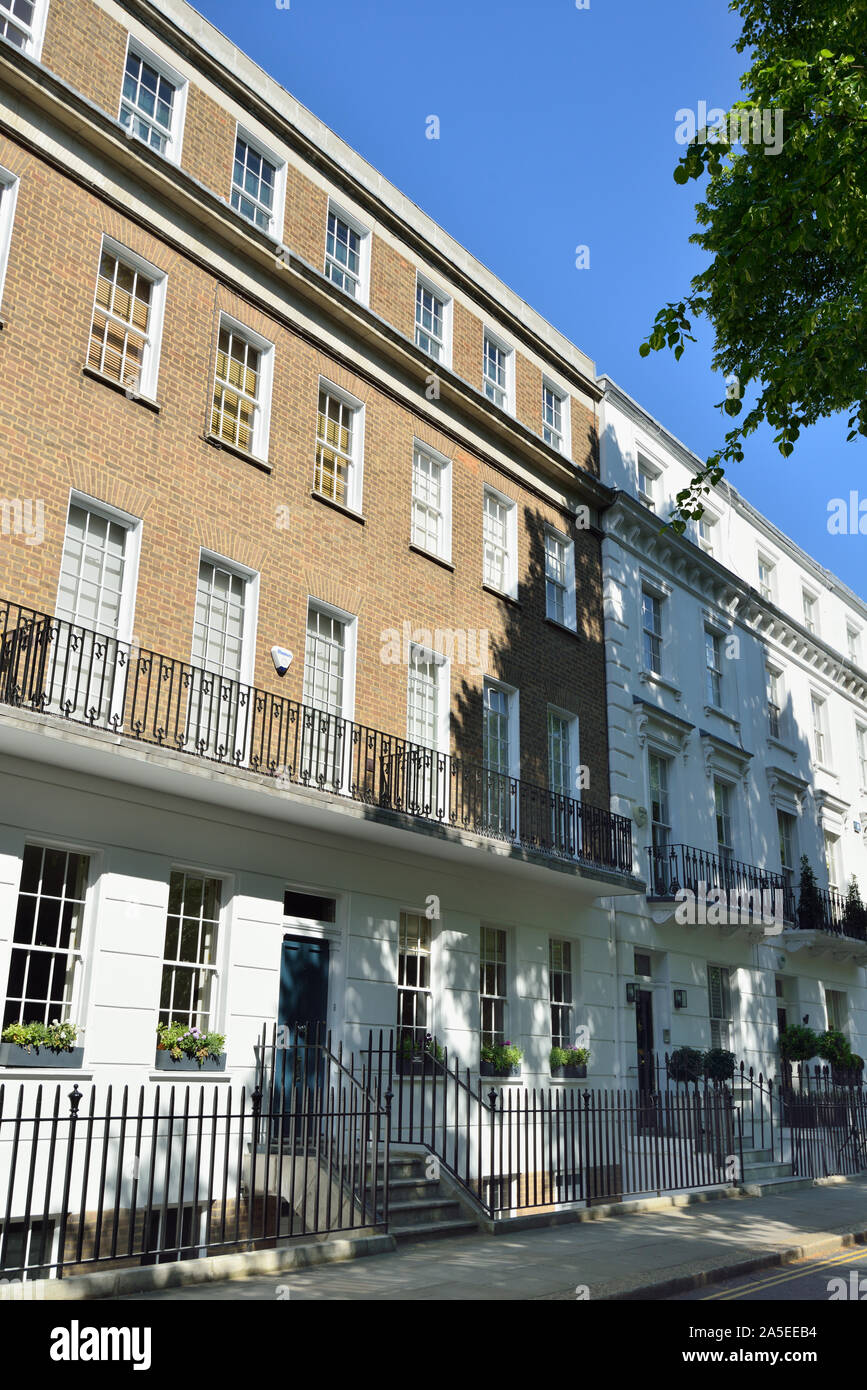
(644, 1039)
(302, 1014)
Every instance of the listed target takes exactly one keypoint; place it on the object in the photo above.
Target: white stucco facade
(759, 758)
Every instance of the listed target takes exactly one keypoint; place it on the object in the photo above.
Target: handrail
(86, 677)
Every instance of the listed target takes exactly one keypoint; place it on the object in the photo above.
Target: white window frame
(513, 708)
(422, 281)
(713, 673)
(251, 610)
(570, 618)
(444, 549)
(8, 198)
(765, 562)
(499, 342)
(216, 1011)
(646, 632)
(275, 229)
(573, 791)
(853, 637)
(727, 813)
(647, 469)
(507, 976)
(725, 1039)
(262, 417)
(810, 600)
(776, 687)
(151, 359)
(33, 46)
(133, 527)
(820, 739)
(564, 446)
(79, 995)
(832, 846)
(511, 589)
(443, 677)
(861, 744)
(350, 626)
(706, 542)
(179, 105)
(661, 841)
(338, 211)
(565, 1007)
(355, 490)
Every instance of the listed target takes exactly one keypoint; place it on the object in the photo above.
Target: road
(806, 1281)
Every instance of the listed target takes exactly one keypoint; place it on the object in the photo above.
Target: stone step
(762, 1172)
(768, 1187)
(410, 1168)
(757, 1156)
(411, 1189)
(430, 1210)
(433, 1230)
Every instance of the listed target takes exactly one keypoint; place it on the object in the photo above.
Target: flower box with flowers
(500, 1060)
(416, 1058)
(182, 1048)
(569, 1063)
(40, 1045)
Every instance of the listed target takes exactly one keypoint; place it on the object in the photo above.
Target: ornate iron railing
(83, 676)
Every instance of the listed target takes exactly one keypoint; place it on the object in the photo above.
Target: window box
(577, 1073)
(166, 1062)
(490, 1069)
(18, 1055)
(416, 1065)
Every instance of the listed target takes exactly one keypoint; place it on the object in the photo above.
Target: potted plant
(798, 1043)
(810, 909)
(686, 1064)
(854, 912)
(834, 1049)
(415, 1057)
(182, 1048)
(569, 1063)
(719, 1064)
(40, 1045)
(500, 1060)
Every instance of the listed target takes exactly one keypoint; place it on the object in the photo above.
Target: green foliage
(55, 1036)
(180, 1040)
(798, 1043)
(409, 1046)
(834, 1048)
(686, 1064)
(854, 911)
(719, 1064)
(785, 234)
(569, 1057)
(810, 909)
(503, 1056)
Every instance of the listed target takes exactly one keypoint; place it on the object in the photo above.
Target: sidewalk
(651, 1255)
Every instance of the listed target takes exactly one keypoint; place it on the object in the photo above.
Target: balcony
(80, 676)
(674, 867)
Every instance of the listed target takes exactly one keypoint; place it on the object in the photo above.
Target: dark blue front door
(302, 1014)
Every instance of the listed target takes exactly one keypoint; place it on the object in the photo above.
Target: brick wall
(86, 47)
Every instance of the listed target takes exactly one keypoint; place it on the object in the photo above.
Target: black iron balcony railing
(84, 677)
(673, 867)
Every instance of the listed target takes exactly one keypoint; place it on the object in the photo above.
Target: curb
(206, 1270)
(734, 1269)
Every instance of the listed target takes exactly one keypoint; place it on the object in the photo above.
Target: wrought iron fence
(514, 1149)
(165, 1175)
(86, 677)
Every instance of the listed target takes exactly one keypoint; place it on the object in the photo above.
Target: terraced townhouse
(737, 689)
(302, 674)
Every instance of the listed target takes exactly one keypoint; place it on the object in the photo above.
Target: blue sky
(557, 129)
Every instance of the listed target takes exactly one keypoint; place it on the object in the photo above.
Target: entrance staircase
(423, 1207)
